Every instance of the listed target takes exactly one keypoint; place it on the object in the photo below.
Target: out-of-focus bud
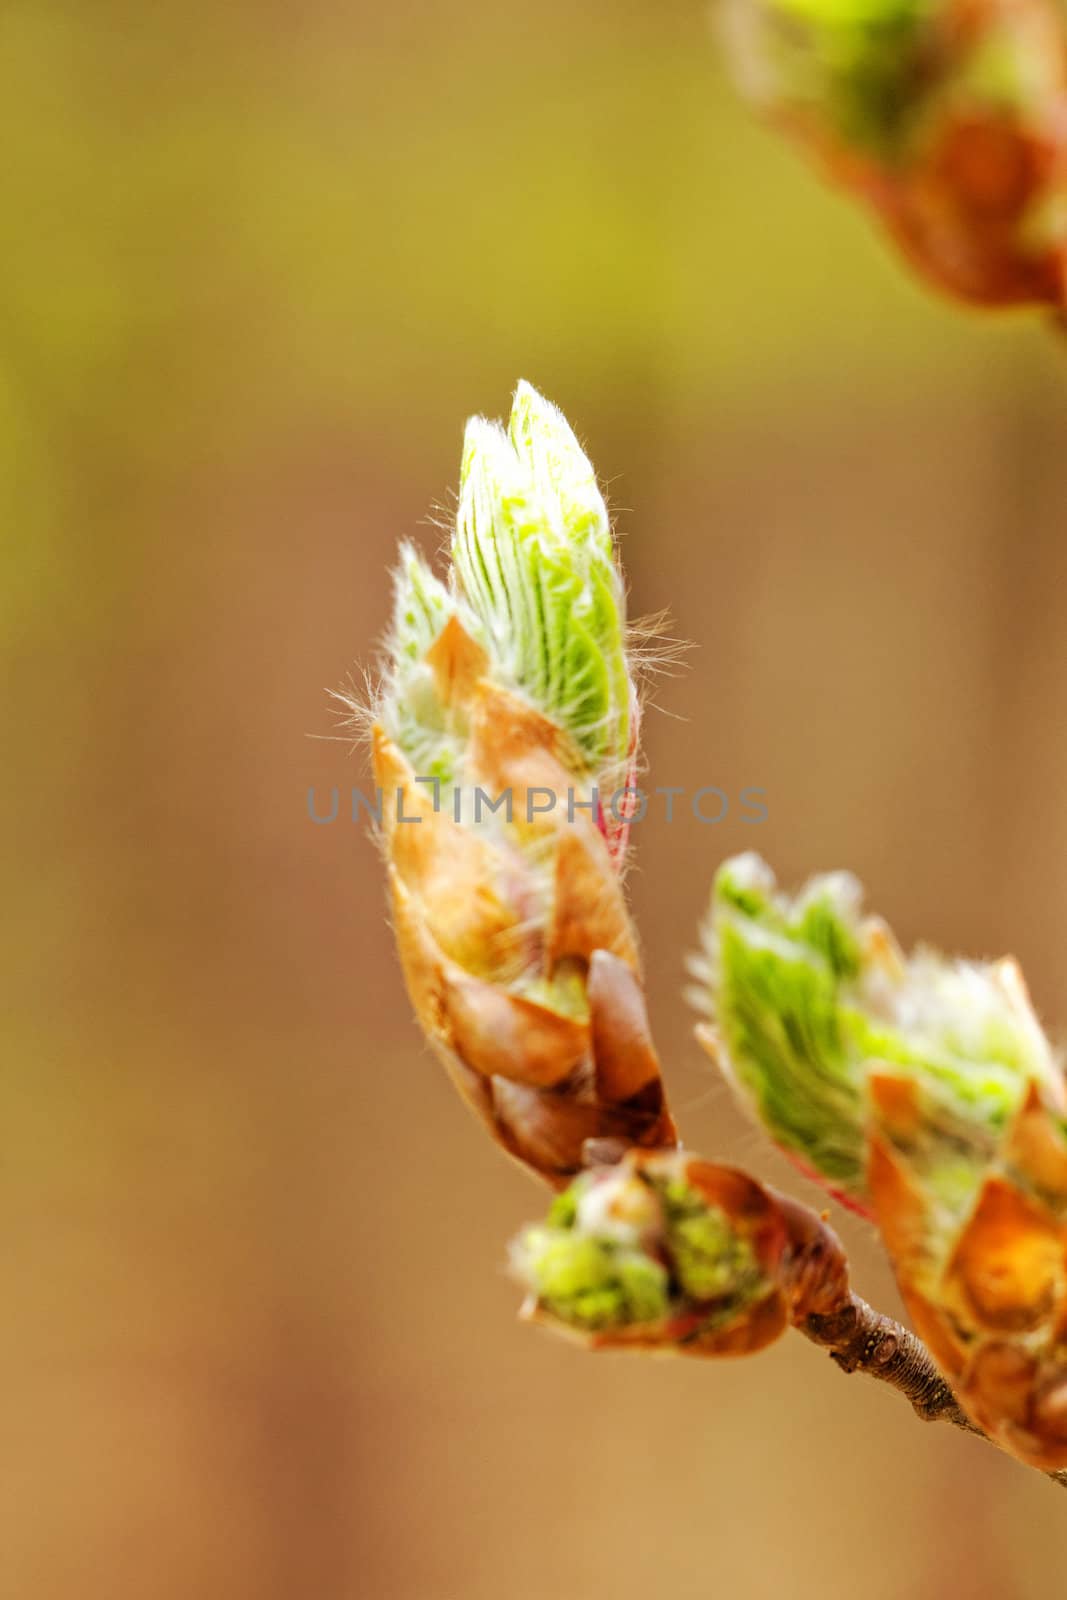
(506, 704)
(662, 1251)
(948, 117)
(924, 1092)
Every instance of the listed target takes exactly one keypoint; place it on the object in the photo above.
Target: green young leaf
(808, 996)
(535, 561)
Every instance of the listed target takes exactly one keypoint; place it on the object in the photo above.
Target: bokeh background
(259, 262)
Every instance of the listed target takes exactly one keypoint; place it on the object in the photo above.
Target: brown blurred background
(259, 263)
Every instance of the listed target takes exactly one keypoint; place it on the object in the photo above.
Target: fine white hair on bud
(535, 582)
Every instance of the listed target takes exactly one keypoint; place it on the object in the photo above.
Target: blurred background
(259, 264)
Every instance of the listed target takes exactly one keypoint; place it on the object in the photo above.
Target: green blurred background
(259, 263)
